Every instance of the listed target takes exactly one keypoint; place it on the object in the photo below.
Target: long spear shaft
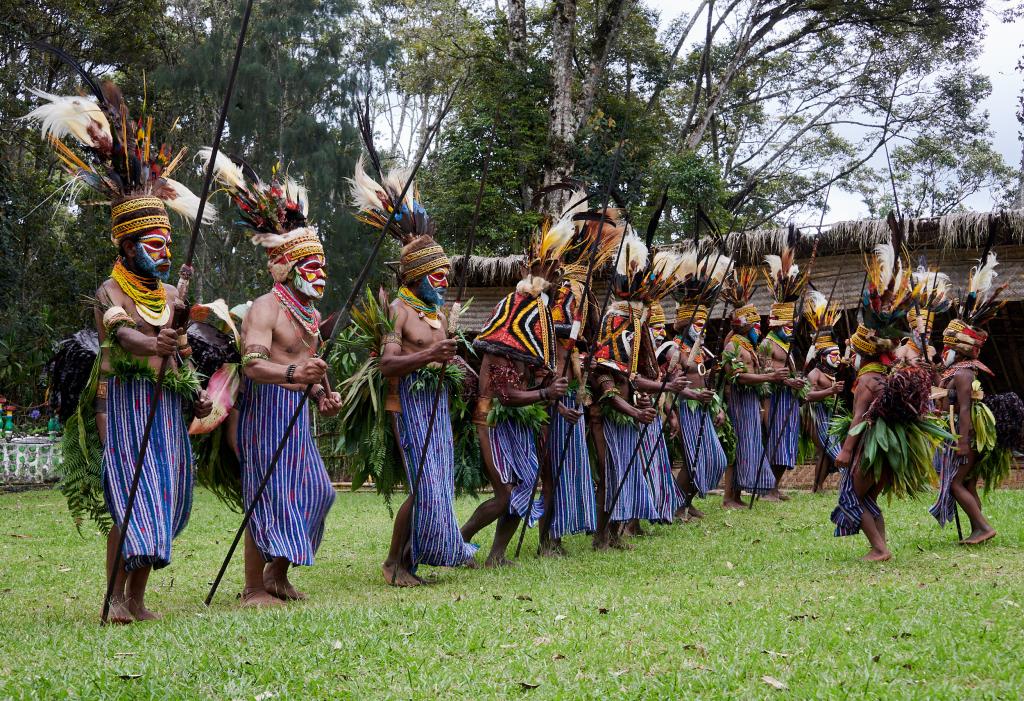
(456, 306)
(766, 438)
(657, 398)
(343, 318)
(179, 317)
(820, 467)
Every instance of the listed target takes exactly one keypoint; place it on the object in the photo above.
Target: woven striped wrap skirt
(829, 443)
(784, 432)
(575, 508)
(514, 451)
(745, 414)
(436, 539)
(709, 464)
(664, 492)
(635, 498)
(289, 519)
(164, 498)
(848, 513)
(948, 462)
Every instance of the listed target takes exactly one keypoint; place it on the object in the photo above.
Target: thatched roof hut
(953, 242)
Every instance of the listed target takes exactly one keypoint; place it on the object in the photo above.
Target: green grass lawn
(696, 611)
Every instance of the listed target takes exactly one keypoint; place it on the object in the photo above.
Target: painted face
(833, 358)
(754, 334)
(433, 286)
(153, 254)
(658, 331)
(948, 357)
(310, 276)
(698, 325)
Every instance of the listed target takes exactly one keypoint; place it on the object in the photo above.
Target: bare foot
(550, 550)
(773, 496)
(259, 598)
(600, 542)
(978, 537)
(119, 615)
(140, 612)
(694, 512)
(877, 556)
(620, 544)
(398, 576)
(732, 504)
(783, 496)
(283, 590)
(500, 561)
(470, 563)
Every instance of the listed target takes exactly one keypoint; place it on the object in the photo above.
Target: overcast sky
(1000, 52)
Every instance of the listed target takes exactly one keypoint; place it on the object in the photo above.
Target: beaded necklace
(306, 314)
(427, 312)
(150, 302)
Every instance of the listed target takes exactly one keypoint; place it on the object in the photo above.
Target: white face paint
(948, 357)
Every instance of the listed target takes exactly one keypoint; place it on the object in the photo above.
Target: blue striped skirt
(709, 464)
(164, 498)
(848, 513)
(745, 413)
(635, 500)
(514, 452)
(574, 509)
(436, 539)
(289, 519)
(784, 432)
(822, 418)
(658, 466)
(947, 462)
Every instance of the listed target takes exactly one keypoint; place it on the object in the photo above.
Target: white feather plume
(69, 114)
(931, 283)
(275, 240)
(366, 193)
(225, 171)
(295, 192)
(816, 301)
(722, 267)
(577, 204)
(558, 236)
(886, 256)
(186, 203)
(633, 254)
(985, 276)
(395, 180)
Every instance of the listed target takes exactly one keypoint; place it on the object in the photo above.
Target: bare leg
(601, 534)
(255, 593)
(397, 568)
(774, 494)
(489, 511)
(731, 496)
(503, 532)
(135, 595)
(119, 612)
(981, 530)
(862, 485)
(275, 581)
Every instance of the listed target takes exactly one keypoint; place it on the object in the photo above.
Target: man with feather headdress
(517, 382)
(824, 358)
(890, 438)
(928, 292)
(569, 504)
(700, 411)
(134, 319)
(783, 433)
(625, 363)
(975, 453)
(417, 344)
(280, 338)
(749, 380)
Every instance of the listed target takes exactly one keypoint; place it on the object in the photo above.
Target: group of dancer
(579, 406)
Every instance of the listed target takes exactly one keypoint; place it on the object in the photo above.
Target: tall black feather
(68, 59)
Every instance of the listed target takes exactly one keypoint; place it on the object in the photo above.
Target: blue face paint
(146, 266)
(754, 336)
(691, 335)
(430, 294)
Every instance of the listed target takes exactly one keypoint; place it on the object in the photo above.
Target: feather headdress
(122, 158)
(821, 317)
(785, 284)
(979, 305)
(595, 235)
(739, 288)
(630, 266)
(411, 226)
(701, 278)
(929, 294)
(885, 304)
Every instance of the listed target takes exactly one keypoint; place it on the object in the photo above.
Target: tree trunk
(562, 126)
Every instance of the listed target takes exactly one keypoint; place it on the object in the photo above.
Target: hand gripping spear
(180, 317)
(657, 398)
(789, 352)
(453, 321)
(342, 321)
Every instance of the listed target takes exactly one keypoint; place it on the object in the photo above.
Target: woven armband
(254, 353)
(116, 317)
(391, 337)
